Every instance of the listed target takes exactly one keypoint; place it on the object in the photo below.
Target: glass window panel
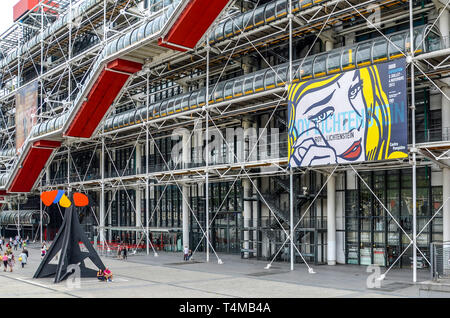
(379, 256)
(352, 224)
(363, 54)
(334, 62)
(378, 238)
(393, 238)
(352, 236)
(306, 69)
(348, 58)
(396, 46)
(352, 256)
(320, 65)
(433, 41)
(393, 179)
(378, 223)
(351, 208)
(379, 50)
(366, 224)
(365, 256)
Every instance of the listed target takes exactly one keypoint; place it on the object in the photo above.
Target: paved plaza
(168, 276)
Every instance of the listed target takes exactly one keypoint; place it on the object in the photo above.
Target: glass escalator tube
(337, 60)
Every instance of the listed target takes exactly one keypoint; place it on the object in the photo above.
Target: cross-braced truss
(192, 90)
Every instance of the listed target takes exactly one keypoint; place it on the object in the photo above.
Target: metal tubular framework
(243, 197)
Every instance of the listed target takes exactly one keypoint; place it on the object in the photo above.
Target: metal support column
(186, 150)
(331, 220)
(207, 150)
(68, 169)
(102, 196)
(291, 172)
(18, 215)
(40, 216)
(147, 194)
(413, 126)
(138, 197)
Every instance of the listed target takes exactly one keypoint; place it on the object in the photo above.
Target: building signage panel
(26, 108)
(354, 116)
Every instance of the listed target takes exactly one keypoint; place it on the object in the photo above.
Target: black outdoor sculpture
(67, 243)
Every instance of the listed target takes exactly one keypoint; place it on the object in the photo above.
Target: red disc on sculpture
(47, 197)
(80, 199)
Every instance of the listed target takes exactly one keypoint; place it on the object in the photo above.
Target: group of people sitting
(104, 275)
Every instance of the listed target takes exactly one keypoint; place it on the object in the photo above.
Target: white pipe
(439, 53)
(147, 192)
(102, 196)
(291, 172)
(185, 215)
(207, 152)
(185, 212)
(331, 221)
(413, 124)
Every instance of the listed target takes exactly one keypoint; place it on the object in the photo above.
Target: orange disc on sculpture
(80, 199)
(47, 197)
(65, 202)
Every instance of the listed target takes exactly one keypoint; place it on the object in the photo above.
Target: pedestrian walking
(124, 252)
(43, 251)
(11, 262)
(23, 258)
(186, 253)
(5, 261)
(25, 250)
(119, 252)
(15, 245)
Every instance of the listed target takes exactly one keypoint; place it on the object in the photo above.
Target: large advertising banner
(349, 117)
(26, 108)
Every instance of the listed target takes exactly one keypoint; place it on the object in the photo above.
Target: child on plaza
(25, 250)
(23, 258)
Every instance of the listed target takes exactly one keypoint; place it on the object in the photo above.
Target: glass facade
(225, 216)
(374, 235)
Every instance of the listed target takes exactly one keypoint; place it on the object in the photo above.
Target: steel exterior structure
(111, 76)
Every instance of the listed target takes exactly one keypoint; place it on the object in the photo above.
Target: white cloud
(6, 14)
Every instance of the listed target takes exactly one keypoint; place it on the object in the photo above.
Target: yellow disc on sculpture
(64, 202)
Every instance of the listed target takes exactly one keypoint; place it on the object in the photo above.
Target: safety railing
(440, 260)
(433, 135)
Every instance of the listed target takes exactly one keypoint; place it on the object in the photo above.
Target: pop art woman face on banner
(339, 119)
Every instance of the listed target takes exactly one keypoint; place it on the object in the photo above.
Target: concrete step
(440, 285)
